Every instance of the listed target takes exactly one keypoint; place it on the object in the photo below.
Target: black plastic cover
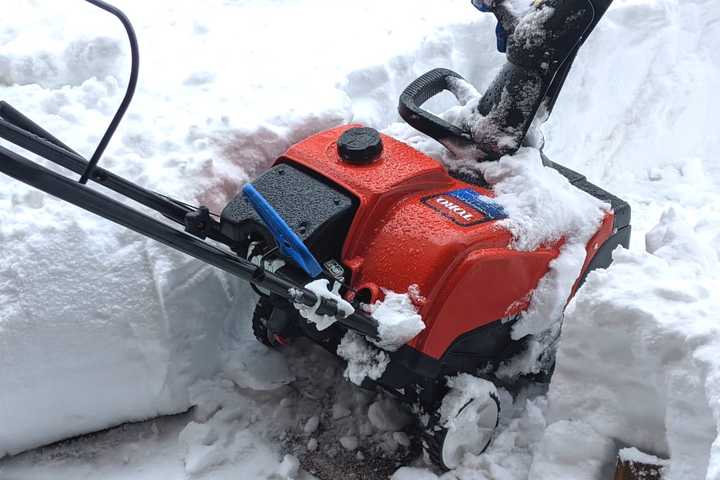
(319, 212)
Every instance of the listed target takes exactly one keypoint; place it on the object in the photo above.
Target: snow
(463, 389)
(386, 416)
(363, 359)
(349, 443)
(541, 204)
(321, 290)
(530, 30)
(99, 327)
(312, 425)
(398, 320)
(410, 473)
(636, 456)
(650, 380)
(571, 449)
(289, 469)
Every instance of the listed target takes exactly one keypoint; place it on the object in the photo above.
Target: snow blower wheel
(260, 324)
(470, 430)
(356, 209)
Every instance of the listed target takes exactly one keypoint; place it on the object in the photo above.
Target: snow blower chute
(370, 214)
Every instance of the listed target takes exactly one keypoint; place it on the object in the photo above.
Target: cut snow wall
(639, 361)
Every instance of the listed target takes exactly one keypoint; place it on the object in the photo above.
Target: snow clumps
(463, 389)
(321, 289)
(363, 359)
(398, 320)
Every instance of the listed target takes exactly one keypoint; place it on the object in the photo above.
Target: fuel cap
(360, 145)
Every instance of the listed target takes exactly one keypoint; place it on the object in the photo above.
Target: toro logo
(465, 207)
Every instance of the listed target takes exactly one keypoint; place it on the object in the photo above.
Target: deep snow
(152, 333)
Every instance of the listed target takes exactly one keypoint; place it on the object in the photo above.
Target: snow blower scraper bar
(197, 222)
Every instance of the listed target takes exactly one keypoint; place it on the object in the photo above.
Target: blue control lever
(287, 240)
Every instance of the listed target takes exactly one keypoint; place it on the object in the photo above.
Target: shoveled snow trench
(100, 327)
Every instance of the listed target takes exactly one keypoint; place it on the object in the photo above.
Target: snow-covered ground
(99, 327)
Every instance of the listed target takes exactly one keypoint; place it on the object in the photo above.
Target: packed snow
(363, 359)
(99, 327)
(398, 320)
(650, 381)
(636, 456)
(321, 289)
(463, 389)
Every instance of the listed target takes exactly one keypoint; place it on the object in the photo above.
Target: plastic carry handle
(287, 240)
(420, 91)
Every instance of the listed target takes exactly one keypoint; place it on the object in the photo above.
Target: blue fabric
(500, 33)
(287, 240)
(480, 5)
(502, 38)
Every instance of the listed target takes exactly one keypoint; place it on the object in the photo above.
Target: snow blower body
(370, 214)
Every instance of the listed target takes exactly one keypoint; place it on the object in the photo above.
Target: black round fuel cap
(360, 145)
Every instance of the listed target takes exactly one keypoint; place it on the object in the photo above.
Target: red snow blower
(370, 214)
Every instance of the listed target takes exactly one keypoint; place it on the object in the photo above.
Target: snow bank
(650, 379)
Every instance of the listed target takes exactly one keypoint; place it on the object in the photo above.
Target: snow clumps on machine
(321, 289)
(397, 316)
(543, 207)
(398, 320)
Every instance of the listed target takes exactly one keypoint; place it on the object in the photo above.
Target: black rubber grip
(419, 92)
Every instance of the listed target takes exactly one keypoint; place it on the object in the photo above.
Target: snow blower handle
(420, 91)
(541, 45)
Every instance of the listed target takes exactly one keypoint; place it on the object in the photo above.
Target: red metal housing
(407, 231)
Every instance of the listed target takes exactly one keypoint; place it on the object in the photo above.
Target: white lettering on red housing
(457, 209)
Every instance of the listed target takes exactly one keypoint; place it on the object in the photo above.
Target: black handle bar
(531, 78)
(420, 91)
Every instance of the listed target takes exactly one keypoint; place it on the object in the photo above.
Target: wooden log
(638, 466)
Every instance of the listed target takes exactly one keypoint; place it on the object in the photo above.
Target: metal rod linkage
(132, 84)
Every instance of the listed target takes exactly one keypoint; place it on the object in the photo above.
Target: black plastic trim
(420, 91)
